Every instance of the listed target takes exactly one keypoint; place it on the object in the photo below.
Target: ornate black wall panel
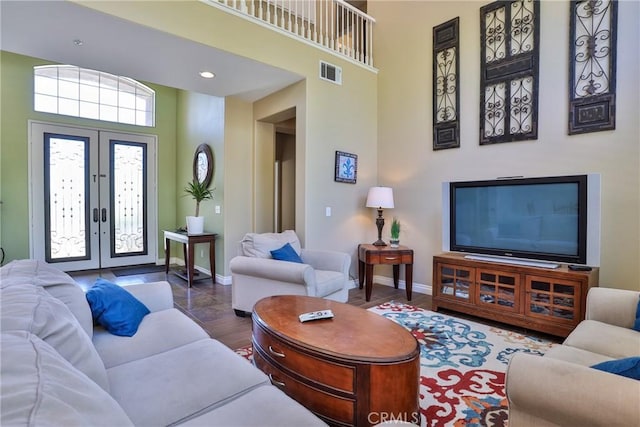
(592, 63)
(446, 81)
(510, 40)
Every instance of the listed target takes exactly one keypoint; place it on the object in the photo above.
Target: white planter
(195, 224)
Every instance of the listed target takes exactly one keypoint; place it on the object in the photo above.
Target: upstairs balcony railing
(333, 25)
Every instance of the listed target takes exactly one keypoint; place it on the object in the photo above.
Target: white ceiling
(47, 30)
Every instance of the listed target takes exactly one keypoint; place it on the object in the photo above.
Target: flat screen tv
(543, 218)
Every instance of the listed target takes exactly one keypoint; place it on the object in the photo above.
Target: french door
(92, 197)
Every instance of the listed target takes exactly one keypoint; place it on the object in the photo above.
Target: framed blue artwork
(346, 167)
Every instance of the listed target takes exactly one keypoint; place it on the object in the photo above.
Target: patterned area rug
(463, 365)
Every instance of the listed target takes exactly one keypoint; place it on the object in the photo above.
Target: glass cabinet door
(455, 282)
(497, 289)
(553, 299)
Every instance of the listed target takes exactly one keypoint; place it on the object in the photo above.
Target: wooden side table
(370, 255)
(189, 241)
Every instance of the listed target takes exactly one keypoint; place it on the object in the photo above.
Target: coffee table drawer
(336, 408)
(335, 375)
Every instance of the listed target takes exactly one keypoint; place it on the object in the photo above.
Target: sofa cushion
(598, 337)
(54, 281)
(628, 367)
(158, 332)
(269, 408)
(30, 308)
(260, 245)
(575, 355)
(168, 387)
(286, 253)
(115, 309)
(328, 282)
(39, 387)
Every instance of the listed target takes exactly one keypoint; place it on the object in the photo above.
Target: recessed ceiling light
(207, 74)
(78, 42)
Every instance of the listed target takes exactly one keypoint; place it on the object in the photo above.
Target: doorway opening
(275, 172)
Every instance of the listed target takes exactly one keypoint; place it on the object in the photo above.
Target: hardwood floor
(210, 306)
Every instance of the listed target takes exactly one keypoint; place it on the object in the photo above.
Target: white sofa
(561, 388)
(58, 369)
(256, 275)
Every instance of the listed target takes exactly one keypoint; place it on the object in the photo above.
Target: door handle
(104, 214)
(95, 215)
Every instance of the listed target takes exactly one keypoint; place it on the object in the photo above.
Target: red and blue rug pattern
(462, 365)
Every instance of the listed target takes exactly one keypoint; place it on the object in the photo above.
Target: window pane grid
(79, 92)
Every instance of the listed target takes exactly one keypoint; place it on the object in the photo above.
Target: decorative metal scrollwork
(510, 34)
(446, 80)
(592, 61)
(128, 186)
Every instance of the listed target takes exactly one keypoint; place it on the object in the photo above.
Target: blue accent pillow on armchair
(115, 309)
(628, 367)
(286, 253)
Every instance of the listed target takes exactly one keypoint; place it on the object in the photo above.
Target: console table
(541, 299)
(189, 241)
(370, 255)
(331, 366)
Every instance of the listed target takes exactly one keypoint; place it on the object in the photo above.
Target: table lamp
(380, 198)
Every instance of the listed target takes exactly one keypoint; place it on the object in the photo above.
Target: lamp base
(379, 242)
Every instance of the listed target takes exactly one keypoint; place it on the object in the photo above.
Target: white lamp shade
(380, 197)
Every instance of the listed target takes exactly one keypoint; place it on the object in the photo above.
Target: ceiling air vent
(330, 72)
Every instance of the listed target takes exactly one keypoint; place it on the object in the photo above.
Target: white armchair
(561, 389)
(256, 275)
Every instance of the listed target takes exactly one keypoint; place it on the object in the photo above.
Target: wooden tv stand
(541, 299)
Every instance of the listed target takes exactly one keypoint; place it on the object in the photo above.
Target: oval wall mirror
(203, 164)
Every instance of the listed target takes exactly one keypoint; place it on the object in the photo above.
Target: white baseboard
(220, 279)
(416, 287)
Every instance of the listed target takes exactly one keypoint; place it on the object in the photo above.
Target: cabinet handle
(275, 353)
(276, 382)
(389, 258)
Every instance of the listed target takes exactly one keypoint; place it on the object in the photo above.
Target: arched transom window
(80, 92)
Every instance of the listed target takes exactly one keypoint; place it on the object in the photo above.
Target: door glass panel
(488, 277)
(563, 289)
(128, 199)
(66, 196)
(507, 280)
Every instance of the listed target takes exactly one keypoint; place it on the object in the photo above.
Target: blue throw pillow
(628, 367)
(114, 308)
(286, 253)
(636, 324)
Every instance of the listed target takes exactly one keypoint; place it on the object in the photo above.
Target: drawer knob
(275, 352)
(276, 382)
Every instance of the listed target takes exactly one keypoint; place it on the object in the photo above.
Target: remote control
(574, 267)
(315, 315)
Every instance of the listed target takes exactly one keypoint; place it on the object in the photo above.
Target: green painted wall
(200, 120)
(16, 109)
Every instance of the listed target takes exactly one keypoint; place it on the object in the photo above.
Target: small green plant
(199, 191)
(395, 229)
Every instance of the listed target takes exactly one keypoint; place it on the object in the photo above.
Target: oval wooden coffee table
(355, 369)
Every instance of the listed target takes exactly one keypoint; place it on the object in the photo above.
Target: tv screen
(532, 218)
